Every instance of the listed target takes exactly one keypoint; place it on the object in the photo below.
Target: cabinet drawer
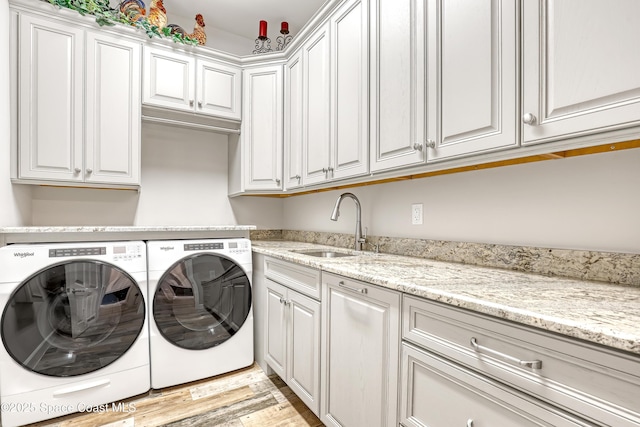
(305, 280)
(436, 392)
(599, 384)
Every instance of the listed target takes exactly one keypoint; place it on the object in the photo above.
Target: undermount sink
(323, 253)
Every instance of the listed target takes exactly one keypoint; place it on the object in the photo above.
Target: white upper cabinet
(113, 110)
(293, 112)
(444, 80)
(581, 62)
(472, 66)
(336, 97)
(79, 105)
(183, 82)
(350, 89)
(398, 75)
(317, 108)
(262, 128)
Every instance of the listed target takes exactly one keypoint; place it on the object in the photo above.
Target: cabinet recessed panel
(395, 77)
(590, 62)
(263, 121)
(223, 97)
(470, 61)
(166, 85)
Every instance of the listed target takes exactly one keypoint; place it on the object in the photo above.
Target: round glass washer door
(73, 318)
(201, 301)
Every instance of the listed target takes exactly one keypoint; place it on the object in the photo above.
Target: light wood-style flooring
(243, 398)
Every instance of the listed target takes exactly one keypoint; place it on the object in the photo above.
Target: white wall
(184, 182)
(589, 203)
(216, 38)
(15, 200)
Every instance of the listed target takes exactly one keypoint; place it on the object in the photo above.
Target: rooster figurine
(157, 14)
(198, 31)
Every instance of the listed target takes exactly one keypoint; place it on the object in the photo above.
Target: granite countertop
(98, 233)
(598, 312)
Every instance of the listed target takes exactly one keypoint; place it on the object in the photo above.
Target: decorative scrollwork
(283, 41)
(263, 45)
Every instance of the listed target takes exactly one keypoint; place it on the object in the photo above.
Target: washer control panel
(65, 252)
(233, 246)
(203, 246)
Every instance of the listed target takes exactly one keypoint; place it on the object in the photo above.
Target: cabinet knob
(77, 170)
(89, 170)
(417, 146)
(191, 103)
(431, 143)
(277, 180)
(298, 177)
(199, 104)
(469, 422)
(529, 119)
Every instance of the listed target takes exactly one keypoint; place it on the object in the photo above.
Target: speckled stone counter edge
(618, 268)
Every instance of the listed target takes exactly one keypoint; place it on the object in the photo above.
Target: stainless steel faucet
(359, 238)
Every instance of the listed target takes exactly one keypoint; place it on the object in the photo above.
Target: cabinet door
(276, 328)
(472, 76)
(293, 113)
(112, 110)
(50, 132)
(219, 89)
(317, 104)
(581, 62)
(262, 135)
(169, 79)
(304, 349)
(398, 76)
(350, 89)
(436, 392)
(360, 344)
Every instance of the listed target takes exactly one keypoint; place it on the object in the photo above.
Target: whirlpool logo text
(22, 254)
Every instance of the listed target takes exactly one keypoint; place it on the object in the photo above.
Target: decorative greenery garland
(106, 15)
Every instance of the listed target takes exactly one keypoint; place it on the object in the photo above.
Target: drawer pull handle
(360, 290)
(533, 364)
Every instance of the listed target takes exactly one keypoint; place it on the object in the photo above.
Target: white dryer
(200, 309)
(74, 328)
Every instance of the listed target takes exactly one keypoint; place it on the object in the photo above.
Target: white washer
(74, 328)
(200, 309)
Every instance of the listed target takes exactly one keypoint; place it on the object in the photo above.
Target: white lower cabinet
(292, 338)
(439, 393)
(492, 371)
(360, 339)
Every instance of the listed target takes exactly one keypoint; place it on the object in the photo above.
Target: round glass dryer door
(73, 318)
(201, 301)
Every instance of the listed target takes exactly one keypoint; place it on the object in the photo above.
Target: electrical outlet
(416, 214)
